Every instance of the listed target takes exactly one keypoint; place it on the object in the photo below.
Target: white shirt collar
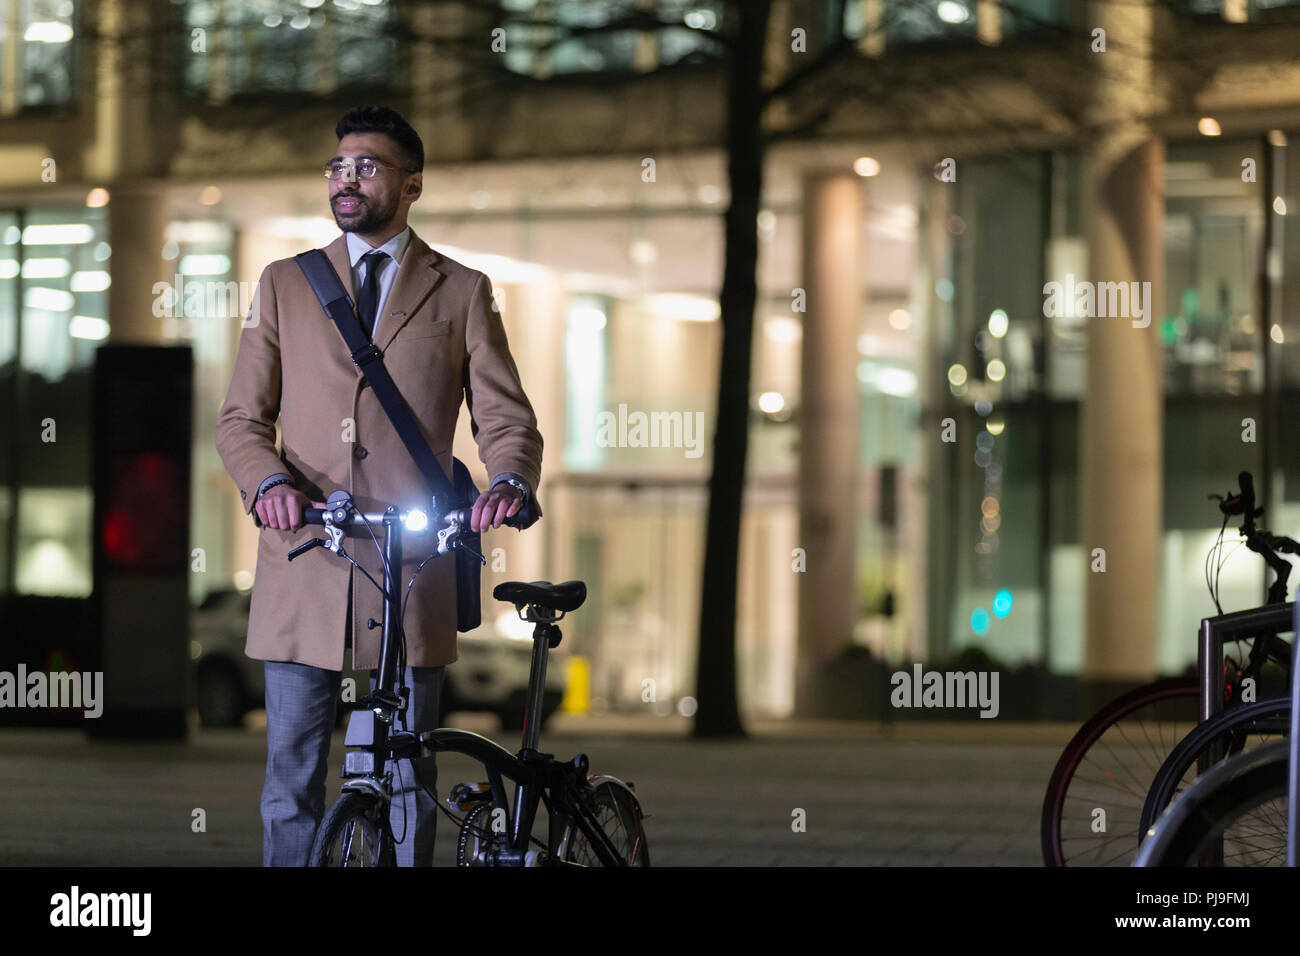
(395, 247)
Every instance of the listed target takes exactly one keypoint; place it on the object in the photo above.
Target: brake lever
(304, 548)
(449, 539)
(335, 542)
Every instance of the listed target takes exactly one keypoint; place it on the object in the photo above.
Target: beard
(368, 218)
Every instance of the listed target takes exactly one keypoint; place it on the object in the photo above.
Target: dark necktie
(369, 298)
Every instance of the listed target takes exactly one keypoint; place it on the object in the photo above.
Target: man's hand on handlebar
(282, 507)
(494, 506)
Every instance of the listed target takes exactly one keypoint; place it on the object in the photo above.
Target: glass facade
(202, 304)
(232, 47)
(967, 544)
(544, 37)
(987, 556)
(1008, 507)
(38, 52)
(947, 21)
(54, 280)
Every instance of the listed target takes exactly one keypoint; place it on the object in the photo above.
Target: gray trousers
(301, 704)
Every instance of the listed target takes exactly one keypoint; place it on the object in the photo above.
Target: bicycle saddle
(558, 597)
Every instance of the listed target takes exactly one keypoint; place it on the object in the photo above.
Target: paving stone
(872, 796)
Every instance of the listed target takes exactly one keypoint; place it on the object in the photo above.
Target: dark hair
(380, 119)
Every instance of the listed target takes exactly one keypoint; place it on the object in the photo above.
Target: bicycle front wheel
(618, 814)
(1238, 729)
(1093, 806)
(354, 832)
(1234, 815)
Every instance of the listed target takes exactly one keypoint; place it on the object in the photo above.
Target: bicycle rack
(1216, 631)
(1293, 764)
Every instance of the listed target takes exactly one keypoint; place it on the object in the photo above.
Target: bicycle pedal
(467, 796)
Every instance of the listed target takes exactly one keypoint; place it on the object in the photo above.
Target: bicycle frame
(371, 745)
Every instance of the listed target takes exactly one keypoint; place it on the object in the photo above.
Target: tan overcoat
(292, 365)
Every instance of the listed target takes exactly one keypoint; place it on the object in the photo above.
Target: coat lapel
(417, 277)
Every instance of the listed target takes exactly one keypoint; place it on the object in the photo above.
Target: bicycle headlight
(416, 520)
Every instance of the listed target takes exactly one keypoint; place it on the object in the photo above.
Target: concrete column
(137, 219)
(872, 42)
(988, 22)
(436, 110)
(1121, 420)
(828, 461)
(119, 156)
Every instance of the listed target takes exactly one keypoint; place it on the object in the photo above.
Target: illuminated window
(539, 38)
(943, 20)
(286, 46)
(64, 284)
(37, 53)
(54, 282)
(584, 367)
(54, 541)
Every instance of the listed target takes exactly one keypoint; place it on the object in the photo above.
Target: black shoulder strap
(369, 359)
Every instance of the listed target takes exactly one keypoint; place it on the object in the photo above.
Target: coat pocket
(427, 330)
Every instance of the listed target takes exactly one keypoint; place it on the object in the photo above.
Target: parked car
(490, 675)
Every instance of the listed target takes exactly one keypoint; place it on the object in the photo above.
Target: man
(441, 337)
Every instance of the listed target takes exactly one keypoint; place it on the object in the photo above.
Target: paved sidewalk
(920, 794)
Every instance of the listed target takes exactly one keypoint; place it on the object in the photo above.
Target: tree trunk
(718, 714)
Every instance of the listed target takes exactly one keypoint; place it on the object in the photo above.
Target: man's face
(367, 206)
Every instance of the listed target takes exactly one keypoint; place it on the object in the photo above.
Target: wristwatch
(271, 483)
(517, 483)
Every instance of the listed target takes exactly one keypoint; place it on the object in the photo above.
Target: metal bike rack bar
(1293, 764)
(1217, 631)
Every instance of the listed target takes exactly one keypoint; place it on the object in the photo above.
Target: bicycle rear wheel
(354, 833)
(618, 814)
(1234, 815)
(1237, 730)
(1093, 805)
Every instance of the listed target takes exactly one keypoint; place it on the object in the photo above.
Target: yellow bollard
(577, 690)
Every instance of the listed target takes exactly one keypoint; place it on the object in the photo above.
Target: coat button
(360, 451)
(243, 494)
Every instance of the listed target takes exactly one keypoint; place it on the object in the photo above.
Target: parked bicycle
(1140, 751)
(592, 818)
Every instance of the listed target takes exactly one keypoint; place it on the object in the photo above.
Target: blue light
(979, 621)
(1002, 603)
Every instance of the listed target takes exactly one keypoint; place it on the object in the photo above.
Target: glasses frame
(351, 164)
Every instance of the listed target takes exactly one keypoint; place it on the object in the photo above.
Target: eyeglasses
(349, 170)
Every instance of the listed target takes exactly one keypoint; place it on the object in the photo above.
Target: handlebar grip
(463, 515)
(1247, 486)
(313, 516)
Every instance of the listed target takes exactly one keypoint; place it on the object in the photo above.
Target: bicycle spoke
(346, 852)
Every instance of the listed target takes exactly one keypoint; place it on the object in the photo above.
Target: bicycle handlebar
(341, 513)
(1263, 543)
(1247, 486)
(342, 516)
(1242, 503)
